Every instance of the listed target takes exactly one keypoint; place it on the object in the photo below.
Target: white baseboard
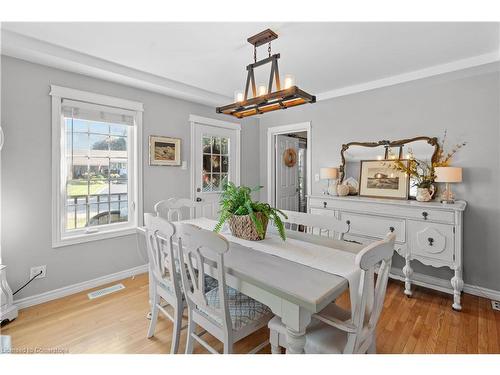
(79, 287)
(443, 285)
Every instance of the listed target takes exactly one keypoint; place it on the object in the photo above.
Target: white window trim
(58, 93)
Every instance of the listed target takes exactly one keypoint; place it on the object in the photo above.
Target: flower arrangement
(421, 171)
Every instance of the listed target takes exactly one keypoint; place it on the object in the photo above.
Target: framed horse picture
(164, 151)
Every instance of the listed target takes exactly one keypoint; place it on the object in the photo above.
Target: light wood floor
(116, 323)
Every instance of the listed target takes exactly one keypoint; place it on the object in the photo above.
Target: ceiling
(322, 56)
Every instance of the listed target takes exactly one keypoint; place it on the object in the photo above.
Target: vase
(425, 194)
(243, 227)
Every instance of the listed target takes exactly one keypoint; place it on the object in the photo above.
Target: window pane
(225, 163)
(207, 182)
(207, 163)
(216, 146)
(207, 145)
(215, 163)
(225, 146)
(119, 211)
(99, 128)
(118, 144)
(118, 186)
(80, 126)
(81, 216)
(118, 168)
(77, 188)
(80, 145)
(99, 145)
(115, 129)
(215, 182)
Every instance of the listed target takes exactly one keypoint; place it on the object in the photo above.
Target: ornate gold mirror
(352, 153)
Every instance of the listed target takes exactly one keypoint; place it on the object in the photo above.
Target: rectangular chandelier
(264, 99)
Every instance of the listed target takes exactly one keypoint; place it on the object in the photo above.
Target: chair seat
(321, 338)
(243, 309)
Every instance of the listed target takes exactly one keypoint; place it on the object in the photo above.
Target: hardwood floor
(116, 323)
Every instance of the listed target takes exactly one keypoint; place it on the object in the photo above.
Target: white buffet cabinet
(429, 232)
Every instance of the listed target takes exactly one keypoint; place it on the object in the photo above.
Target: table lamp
(448, 175)
(329, 173)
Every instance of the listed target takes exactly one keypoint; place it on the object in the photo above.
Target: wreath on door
(290, 157)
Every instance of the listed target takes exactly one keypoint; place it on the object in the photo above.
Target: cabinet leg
(407, 272)
(458, 285)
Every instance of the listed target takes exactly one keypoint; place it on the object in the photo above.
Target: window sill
(90, 237)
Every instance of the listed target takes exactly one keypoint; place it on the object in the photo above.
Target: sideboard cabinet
(429, 232)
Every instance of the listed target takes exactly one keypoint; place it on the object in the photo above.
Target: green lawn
(81, 188)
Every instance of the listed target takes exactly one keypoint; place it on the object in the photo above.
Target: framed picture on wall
(379, 180)
(164, 150)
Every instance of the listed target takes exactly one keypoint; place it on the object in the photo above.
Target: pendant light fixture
(263, 98)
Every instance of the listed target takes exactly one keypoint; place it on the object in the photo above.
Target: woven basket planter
(243, 227)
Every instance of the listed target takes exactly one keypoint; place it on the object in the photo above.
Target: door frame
(285, 129)
(194, 120)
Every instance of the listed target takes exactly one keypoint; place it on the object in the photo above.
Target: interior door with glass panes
(216, 160)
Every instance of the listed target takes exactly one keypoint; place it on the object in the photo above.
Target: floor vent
(105, 291)
(495, 305)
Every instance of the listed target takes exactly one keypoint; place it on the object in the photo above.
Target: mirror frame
(433, 141)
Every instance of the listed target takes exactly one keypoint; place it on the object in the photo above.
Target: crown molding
(44, 53)
(412, 76)
(40, 52)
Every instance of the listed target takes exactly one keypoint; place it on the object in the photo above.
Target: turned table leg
(407, 272)
(458, 285)
(296, 341)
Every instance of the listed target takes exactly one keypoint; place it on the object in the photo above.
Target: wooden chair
(333, 330)
(316, 224)
(165, 281)
(224, 312)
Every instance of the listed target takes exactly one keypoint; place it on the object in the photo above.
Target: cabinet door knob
(391, 229)
(324, 204)
(425, 214)
(431, 241)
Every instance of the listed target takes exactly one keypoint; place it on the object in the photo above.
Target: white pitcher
(425, 194)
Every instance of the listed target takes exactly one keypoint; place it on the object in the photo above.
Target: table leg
(458, 285)
(407, 272)
(296, 341)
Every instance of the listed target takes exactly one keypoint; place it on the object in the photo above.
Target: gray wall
(26, 174)
(466, 103)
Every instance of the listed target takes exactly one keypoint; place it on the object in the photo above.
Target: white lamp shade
(448, 174)
(328, 173)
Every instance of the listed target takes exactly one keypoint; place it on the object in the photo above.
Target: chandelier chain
(269, 49)
(254, 53)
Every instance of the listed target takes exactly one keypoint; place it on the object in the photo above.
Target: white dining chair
(332, 330)
(225, 313)
(321, 225)
(165, 281)
(172, 208)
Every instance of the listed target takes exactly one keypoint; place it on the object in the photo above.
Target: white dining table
(293, 291)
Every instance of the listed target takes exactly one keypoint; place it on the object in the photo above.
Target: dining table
(292, 289)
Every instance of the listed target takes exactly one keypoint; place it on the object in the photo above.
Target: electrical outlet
(495, 305)
(316, 177)
(36, 270)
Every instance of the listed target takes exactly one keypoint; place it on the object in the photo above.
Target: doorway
(289, 166)
(215, 155)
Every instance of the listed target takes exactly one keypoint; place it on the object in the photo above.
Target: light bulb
(289, 81)
(238, 96)
(261, 90)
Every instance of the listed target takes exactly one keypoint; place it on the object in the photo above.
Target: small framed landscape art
(379, 179)
(164, 150)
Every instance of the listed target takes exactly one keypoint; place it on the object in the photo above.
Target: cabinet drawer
(375, 226)
(321, 203)
(431, 240)
(322, 211)
(432, 215)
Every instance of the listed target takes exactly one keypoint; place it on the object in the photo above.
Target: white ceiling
(322, 56)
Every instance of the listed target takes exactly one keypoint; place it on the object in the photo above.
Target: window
(96, 189)
(215, 163)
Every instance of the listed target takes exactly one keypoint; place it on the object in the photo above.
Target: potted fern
(247, 219)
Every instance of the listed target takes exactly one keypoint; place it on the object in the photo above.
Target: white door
(287, 179)
(216, 158)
